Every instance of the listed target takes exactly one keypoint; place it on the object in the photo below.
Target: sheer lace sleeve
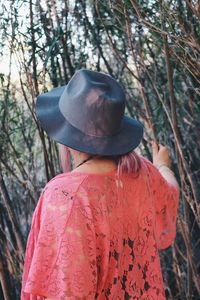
(30, 248)
(63, 262)
(166, 199)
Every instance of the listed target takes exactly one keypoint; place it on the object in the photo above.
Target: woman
(97, 230)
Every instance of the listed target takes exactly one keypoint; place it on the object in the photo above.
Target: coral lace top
(97, 236)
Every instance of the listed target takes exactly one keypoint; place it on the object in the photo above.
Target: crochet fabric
(97, 236)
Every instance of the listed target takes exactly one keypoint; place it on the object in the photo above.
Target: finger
(155, 147)
(154, 144)
(162, 146)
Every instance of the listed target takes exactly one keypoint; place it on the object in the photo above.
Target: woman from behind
(98, 228)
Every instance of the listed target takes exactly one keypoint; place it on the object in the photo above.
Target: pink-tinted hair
(128, 163)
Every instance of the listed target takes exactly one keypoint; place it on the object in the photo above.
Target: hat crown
(94, 103)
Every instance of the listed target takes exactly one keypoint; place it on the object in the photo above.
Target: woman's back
(100, 234)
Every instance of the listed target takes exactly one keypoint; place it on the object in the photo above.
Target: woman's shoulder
(145, 160)
(67, 181)
(72, 180)
(147, 165)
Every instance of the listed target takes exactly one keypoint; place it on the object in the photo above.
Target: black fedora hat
(87, 115)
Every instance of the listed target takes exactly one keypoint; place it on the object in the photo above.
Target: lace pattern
(98, 236)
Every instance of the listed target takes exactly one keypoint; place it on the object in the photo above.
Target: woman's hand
(161, 155)
(162, 161)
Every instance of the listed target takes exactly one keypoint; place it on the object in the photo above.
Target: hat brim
(60, 130)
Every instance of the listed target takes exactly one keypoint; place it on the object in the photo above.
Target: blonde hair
(65, 158)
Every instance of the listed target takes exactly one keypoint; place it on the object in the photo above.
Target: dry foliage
(152, 48)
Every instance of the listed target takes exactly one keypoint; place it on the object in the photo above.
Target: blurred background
(152, 48)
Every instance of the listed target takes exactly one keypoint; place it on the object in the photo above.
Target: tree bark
(4, 281)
